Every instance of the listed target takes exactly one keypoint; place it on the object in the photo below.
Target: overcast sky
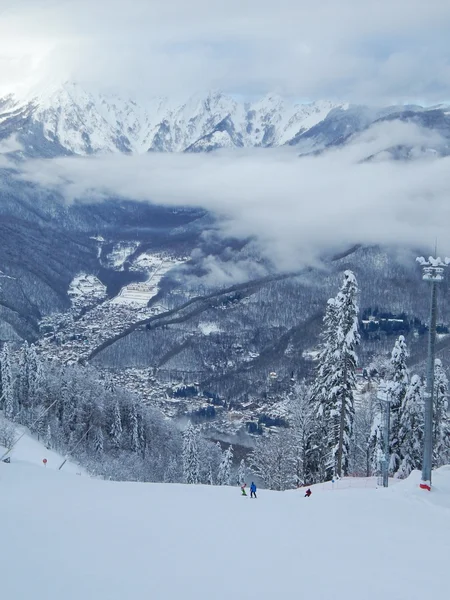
(380, 51)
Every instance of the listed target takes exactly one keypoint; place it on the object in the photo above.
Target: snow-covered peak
(67, 118)
(83, 122)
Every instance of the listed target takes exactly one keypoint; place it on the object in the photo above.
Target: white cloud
(348, 49)
(7, 146)
(295, 208)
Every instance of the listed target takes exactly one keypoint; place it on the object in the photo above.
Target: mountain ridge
(71, 120)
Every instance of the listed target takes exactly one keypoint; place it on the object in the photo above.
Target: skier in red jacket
(308, 493)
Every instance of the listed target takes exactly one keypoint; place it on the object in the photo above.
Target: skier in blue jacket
(253, 490)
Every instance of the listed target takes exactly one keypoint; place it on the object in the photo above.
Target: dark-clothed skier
(308, 493)
(253, 490)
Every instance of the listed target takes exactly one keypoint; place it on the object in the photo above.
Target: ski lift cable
(31, 426)
(77, 444)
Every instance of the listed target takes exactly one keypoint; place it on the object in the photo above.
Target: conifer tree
(362, 450)
(411, 424)
(376, 443)
(98, 440)
(23, 380)
(35, 377)
(441, 419)
(321, 402)
(9, 400)
(333, 391)
(40, 421)
(242, 473)
(301, 433)
(67, 410)
(224, 474)
(325, 361)
(134, 427)
(191, 463)
(210, 474)
(171, 473)
(343, 379)
(48, 437)
(29, 383)
(397, 387)
(271, 460)
(116, 428)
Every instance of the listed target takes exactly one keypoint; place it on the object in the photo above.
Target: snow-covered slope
(28, 450)
(73, 537)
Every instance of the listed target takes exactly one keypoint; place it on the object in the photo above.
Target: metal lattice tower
(433, 272)
(384, 396)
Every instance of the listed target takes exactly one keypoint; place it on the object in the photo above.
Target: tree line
(336, 422)
(104, 428)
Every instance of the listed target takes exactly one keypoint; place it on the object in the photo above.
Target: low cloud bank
(295, 208)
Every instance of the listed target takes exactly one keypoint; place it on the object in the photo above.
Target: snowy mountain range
(71, 120)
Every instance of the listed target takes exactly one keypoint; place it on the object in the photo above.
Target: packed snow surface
(28, 450)
(70, 537)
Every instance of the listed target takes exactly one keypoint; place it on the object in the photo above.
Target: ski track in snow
(66, 537)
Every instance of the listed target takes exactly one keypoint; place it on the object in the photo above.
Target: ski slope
(66, 537)
(29, 451)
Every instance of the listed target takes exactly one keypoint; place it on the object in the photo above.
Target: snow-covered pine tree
(441, 419)
(48, 437)
(342, 379)
(22, 382)
(321, 402)
(224, 474)
(376, 442)
(325, 359)
(2, 398)
(7, 433)
(242, 473)
(301, 432)
(29, 383)
(116, 427)
(362, 449)
(210, 474)
(209, 456)
(191, 463)
(40, 422)
(67, 410)
(142, 436)
(9, 399)
(271, 460)
(411, 424)
(134, 428)
(397, 385)
(171, 474)
(98, 440)
(35, 375)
